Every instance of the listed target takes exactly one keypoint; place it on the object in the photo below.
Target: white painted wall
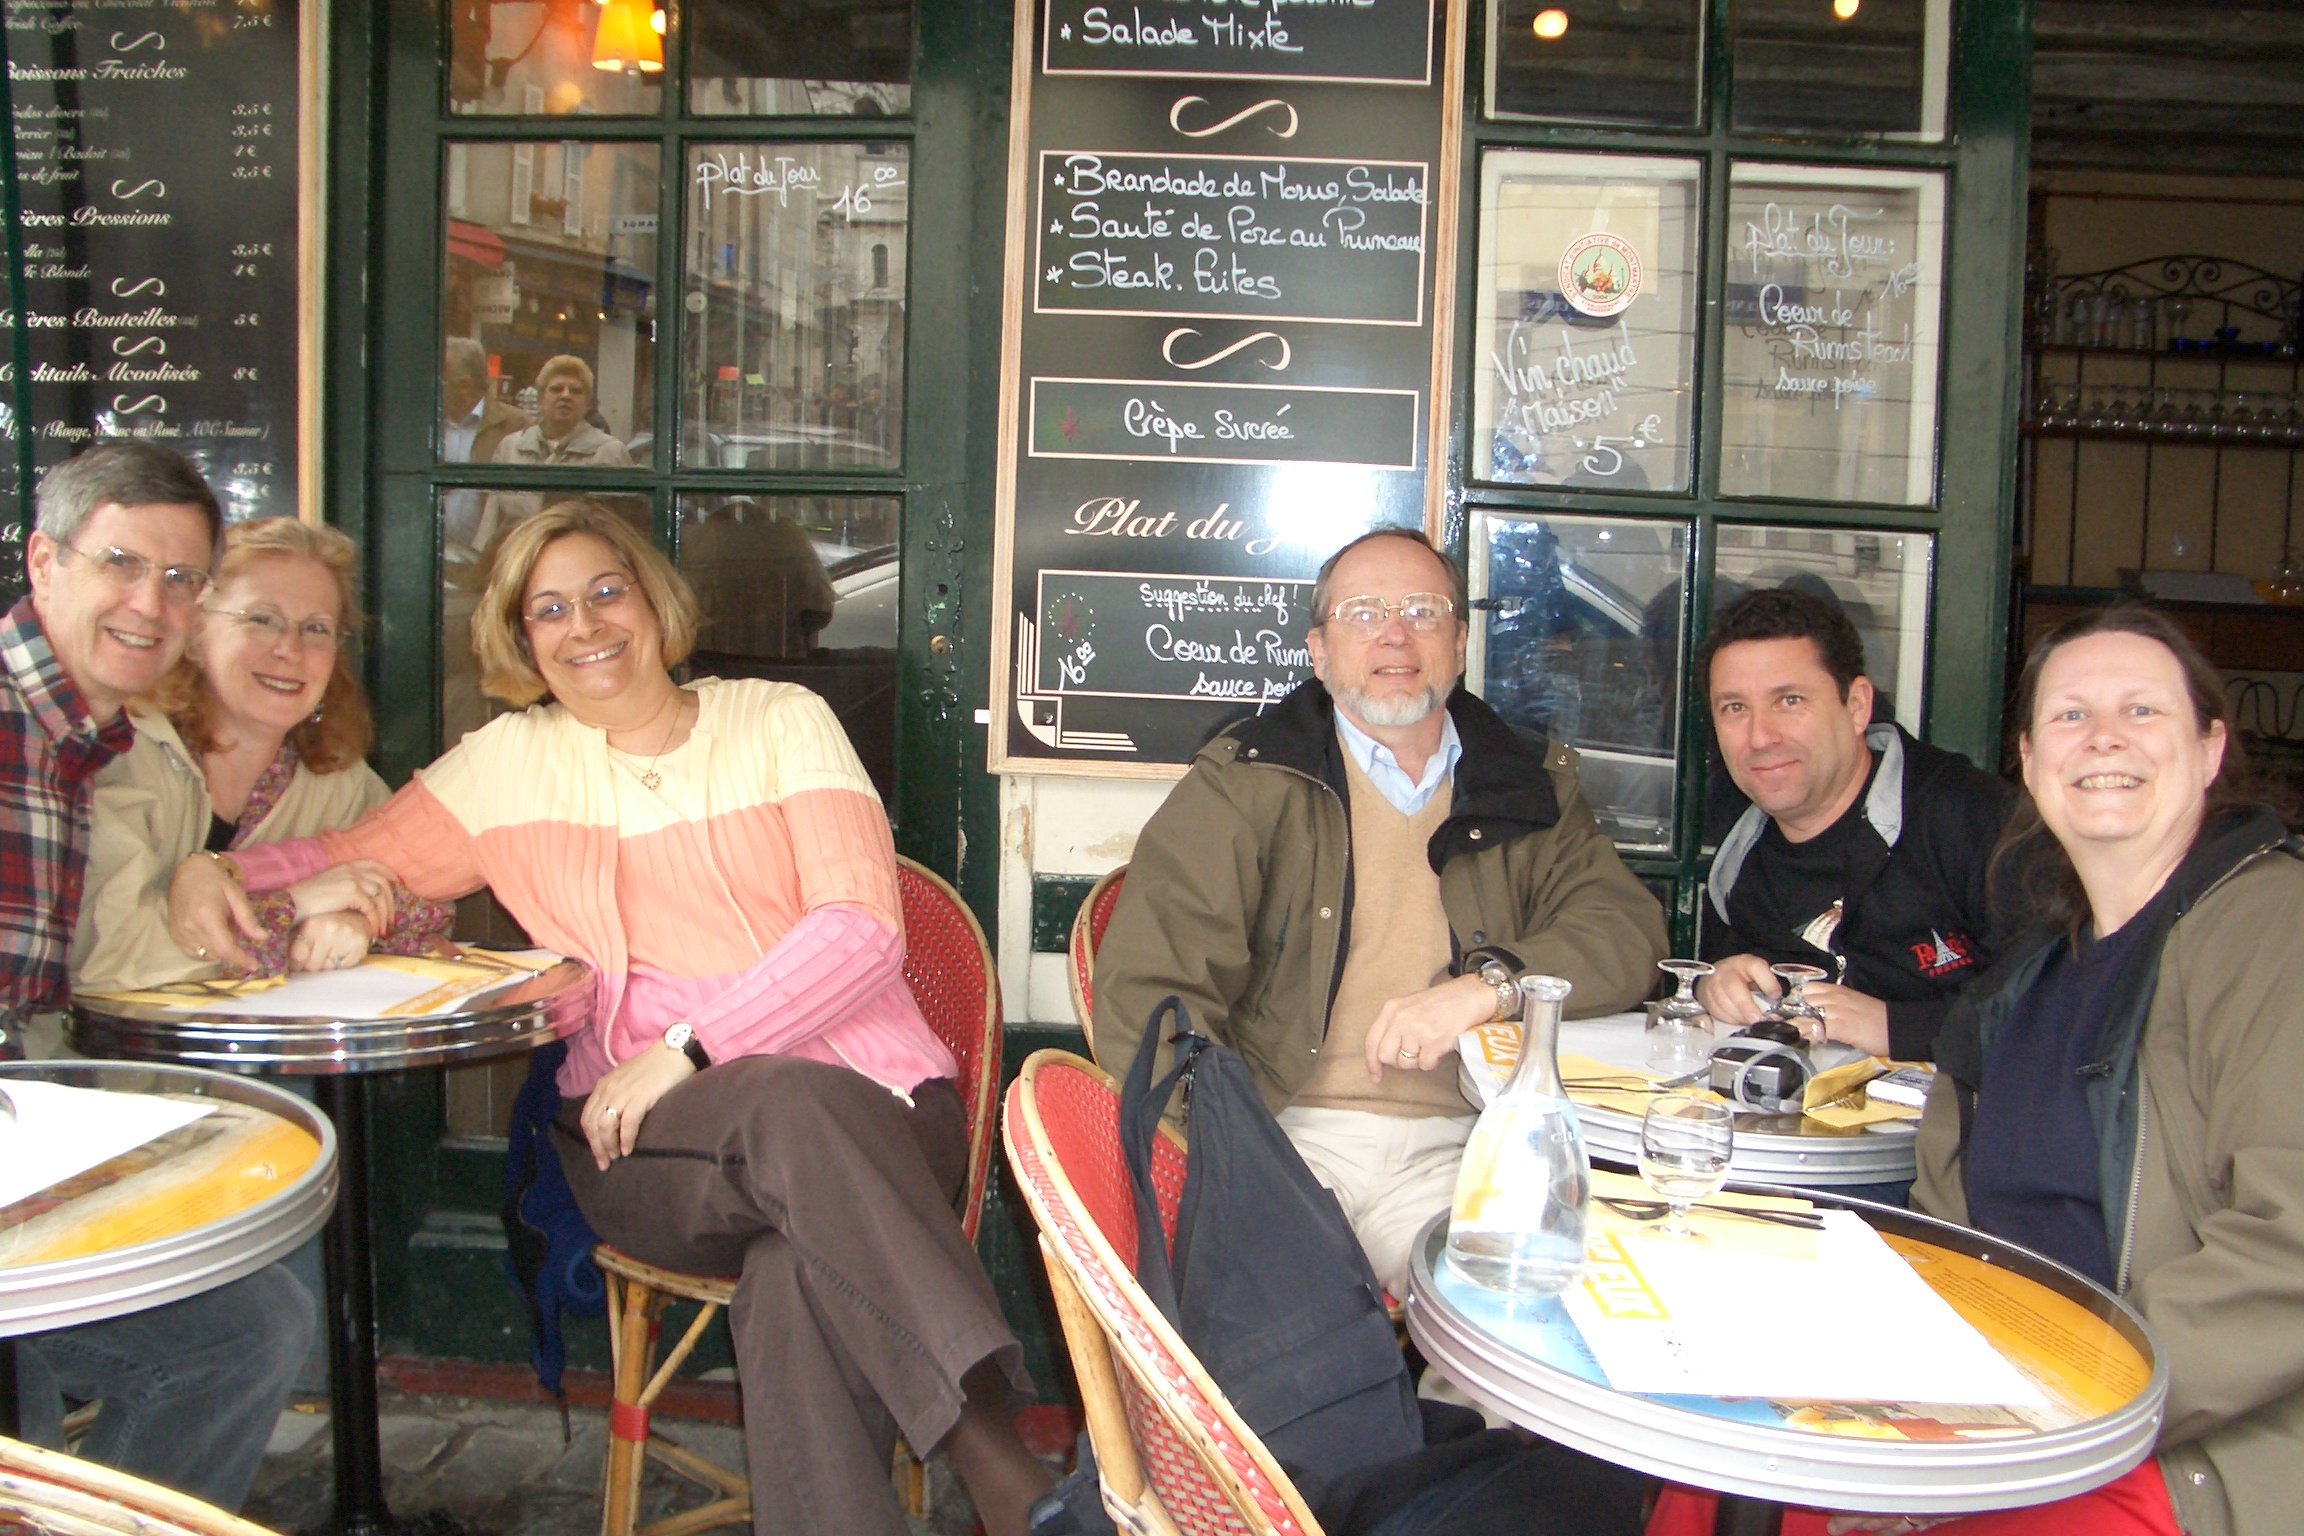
(1057, 826)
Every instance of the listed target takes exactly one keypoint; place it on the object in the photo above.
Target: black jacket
(1918, 919)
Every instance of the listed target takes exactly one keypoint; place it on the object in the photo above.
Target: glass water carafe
(1518, 1222)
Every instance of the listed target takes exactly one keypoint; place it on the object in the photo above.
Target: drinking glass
(1686, 1140)
(1679, 1030)
(1793, 1007)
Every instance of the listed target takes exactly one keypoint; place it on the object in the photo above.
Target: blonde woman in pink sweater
(757, 1093)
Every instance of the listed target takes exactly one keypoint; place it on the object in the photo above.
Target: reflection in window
(1843, 67)
(802, 589)
(519, 57)
(783, 58)
(1587, 346)
(1880, 580)
(793, 328)
(553, 301)
(1829, 353)
(1595, 61)
(1579, 637)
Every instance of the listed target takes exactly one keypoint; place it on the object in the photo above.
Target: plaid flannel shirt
(50, 749)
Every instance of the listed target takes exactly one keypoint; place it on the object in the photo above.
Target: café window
(1579, 636)
(782, 58)
(1830, 347)
(793, 323)
(1585, 360)
(1842, 67)
(1633, 62)
(1880, 580)
(554, 58)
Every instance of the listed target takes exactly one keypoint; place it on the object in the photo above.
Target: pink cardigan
(765, 914)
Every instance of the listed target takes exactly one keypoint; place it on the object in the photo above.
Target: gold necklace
(650, 779)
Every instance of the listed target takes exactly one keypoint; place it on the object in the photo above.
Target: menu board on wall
(1229, 265)
(157, 159)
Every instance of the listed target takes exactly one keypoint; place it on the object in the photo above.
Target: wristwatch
(682, 1038)
(1507, 991)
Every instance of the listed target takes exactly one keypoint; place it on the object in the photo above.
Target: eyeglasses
(271, 626)
(1422, 612)
(554, 609)
(181, 584)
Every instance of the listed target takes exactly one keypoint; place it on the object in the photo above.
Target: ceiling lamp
(628, 38)
(1551, 24)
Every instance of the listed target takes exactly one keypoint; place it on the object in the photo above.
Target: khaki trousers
(858, 1307)
(1391, 1173)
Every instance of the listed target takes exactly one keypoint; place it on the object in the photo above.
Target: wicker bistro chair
(1087, 933)
(1172, 1454)
(48, 1491)
(950, 970)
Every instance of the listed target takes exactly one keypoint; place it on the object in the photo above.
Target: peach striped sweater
(753, 895)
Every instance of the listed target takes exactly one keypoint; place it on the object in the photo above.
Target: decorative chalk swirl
(1169, 341)
(1176, 117)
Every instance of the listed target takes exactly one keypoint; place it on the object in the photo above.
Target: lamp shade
(627, 38)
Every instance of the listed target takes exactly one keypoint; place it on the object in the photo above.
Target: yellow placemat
(1605, 1226)
(196, 993)
(1837, 1098)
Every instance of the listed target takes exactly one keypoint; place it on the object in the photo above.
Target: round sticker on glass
(1600, 275)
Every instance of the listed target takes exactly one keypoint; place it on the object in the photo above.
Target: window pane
(1579, 637)
(793, 354)
(782, 58)
(1845, 67)
(802, 589)
(1829, 359)
(518, 57)
(1595, 61)
(1587, 322)
(1880, 580)
(549, 304)
(462, 575)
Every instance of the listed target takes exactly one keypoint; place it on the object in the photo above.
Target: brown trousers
(858, 1305)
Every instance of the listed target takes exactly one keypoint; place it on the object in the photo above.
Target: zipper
(2135, 1184)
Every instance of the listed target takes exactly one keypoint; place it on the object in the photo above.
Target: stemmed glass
(1686, 1140)
(1793, 1005)
(1679, 1030)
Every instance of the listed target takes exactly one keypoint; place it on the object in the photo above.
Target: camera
(1770, 1065)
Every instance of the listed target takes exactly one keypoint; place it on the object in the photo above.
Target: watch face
(679, 1035)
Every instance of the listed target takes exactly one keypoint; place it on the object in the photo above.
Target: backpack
(1267, 1283)
(548, 1244)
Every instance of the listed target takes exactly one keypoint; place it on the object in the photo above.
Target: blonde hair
(500, 634)
(345, 730)
(575, 367)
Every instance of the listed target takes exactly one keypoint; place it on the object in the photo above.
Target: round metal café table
(521, 1014)
(1770, 1149)
(129, 1233)
(1527, 1361)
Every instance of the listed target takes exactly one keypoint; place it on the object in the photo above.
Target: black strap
(1141, 1104)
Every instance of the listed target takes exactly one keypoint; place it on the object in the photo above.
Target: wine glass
(1686, 1140)
(1679, 1030)
(1793, 1007)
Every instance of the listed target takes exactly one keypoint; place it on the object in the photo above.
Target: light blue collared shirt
(1403, 794)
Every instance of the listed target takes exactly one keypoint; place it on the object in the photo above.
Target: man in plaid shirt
(121, 553)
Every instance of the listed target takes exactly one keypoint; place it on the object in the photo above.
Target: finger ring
(1409, 1053)
(201, 950)
(609, 1113)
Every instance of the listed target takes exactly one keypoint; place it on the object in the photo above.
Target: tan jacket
(2212, 1246)
(150, 814)
(1239, 897)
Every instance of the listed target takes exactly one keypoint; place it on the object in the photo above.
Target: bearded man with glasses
(1343, 884)
(122, 550)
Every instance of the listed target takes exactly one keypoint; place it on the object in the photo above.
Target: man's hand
(362, 886)
(1856, 1017)
(208, 913)
(1727, 993)
(621, 1100)
(1419, 1031)
(329, 941)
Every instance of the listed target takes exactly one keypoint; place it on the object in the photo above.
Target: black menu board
(156, 151)
(1230, 237)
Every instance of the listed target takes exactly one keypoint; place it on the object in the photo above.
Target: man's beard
(1393, 711)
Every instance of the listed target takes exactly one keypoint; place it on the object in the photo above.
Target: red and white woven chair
(48, 1491)
(950, 970)
(1173, 1456)
(1087, 933)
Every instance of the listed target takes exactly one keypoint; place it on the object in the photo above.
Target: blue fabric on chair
(548, 1247)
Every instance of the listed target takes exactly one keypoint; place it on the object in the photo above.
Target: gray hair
(463, 358)
(1323, 598)
(124, 472)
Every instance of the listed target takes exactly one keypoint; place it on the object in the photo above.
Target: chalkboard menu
(157, 163)
(1229, 263)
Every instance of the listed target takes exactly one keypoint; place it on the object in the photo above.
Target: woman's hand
(622, 1099)
(208, 913)
(360, 886)
(329, 941)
